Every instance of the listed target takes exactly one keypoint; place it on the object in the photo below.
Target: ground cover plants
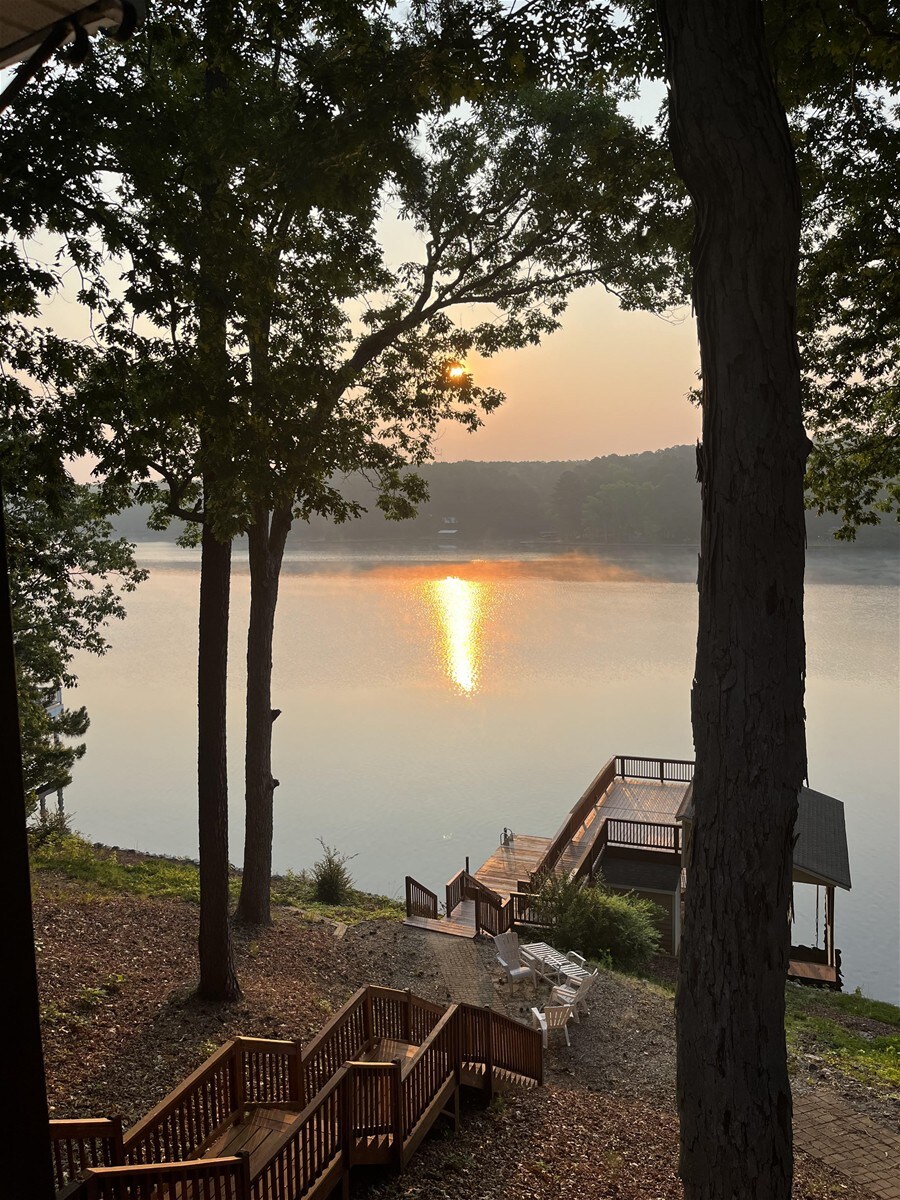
(104, 869)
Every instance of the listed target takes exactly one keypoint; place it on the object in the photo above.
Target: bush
(600, 924)
(331, 879)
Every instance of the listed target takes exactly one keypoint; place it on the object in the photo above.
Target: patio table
(551, 963)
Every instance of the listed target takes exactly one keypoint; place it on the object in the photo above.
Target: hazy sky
(607, 382)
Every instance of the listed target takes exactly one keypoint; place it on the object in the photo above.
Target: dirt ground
(121, 1028)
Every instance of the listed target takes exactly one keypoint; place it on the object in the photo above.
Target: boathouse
(632, 825)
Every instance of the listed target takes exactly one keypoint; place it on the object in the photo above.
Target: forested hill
(637, 498)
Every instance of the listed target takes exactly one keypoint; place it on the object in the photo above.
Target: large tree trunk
(732, 149)
(218, 980)
(23, 1093)
(267, 539)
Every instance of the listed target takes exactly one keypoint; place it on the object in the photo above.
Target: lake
(428, 702)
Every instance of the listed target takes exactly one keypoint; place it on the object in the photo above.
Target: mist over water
(428, 701)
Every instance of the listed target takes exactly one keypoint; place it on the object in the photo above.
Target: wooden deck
(822, 974)
(265, 1119)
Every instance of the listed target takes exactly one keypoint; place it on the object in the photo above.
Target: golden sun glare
(458, 605)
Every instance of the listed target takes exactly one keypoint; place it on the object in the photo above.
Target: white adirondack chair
(553, 1016)
(576, 996)
(507, 947)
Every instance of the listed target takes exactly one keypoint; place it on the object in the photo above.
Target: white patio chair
(509, 958)
(568, 993)
(554, 1016)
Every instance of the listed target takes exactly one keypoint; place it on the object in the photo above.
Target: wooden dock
(631, 806)
(264, 1119)
(631, 824)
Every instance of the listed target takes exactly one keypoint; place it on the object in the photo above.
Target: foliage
(333, 884)
(599, 923)
(833, 1026)
(838, 74)
(68, 574)
(72, 857)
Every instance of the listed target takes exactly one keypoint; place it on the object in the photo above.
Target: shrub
(331, 879)
(600, 924)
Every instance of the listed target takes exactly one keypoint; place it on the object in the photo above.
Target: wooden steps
(453, 928)
(269, 1119)
(258, 1131)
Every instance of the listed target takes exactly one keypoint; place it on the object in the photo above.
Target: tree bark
(218, 980)
(732, 149)
(23, 1091)
(267, 537)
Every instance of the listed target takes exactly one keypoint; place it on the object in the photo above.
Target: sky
(607, 382)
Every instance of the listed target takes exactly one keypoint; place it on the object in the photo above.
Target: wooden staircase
(274, 1120)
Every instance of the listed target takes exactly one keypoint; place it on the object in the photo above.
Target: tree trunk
(23, 1091)
(218, 980)
(267, 539)
(732, 148)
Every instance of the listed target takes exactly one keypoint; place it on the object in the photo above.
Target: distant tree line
(648, 498)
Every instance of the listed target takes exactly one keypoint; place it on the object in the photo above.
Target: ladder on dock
(274, 1120)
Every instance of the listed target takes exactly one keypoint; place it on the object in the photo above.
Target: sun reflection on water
(459, 607)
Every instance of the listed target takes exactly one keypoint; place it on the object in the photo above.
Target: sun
(456, 371)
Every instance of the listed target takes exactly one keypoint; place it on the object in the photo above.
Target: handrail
(492, 916)
(666, 770)
(475, 883)
(420, 900)
(359, 1101)
(297, 1129)
(155, 1133)
(423, 1076)
(172, 1181)
(576, 818)
(269, 1071)
(455, 890)
(342, 1037)
(80, 1143)
(376, 989)
(645, 835)
(411, 1063)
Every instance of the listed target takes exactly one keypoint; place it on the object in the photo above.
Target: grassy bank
(846, 1032)
(106, 869)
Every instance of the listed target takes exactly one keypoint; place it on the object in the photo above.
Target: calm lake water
(427, 702)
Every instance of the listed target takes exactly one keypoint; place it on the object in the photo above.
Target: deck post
(829, 926)
(397, 1111)
(117, 1158)
(346, 1128)
(295, 1075)
(236, 1071)
(489, 1050)
(368, 1026)
(243, 1179)
(407, 1028)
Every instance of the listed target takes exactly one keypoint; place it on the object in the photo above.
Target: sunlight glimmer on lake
(458, 607)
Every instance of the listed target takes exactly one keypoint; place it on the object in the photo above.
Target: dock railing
(666, 770)
(420, 900)
(576, 819)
